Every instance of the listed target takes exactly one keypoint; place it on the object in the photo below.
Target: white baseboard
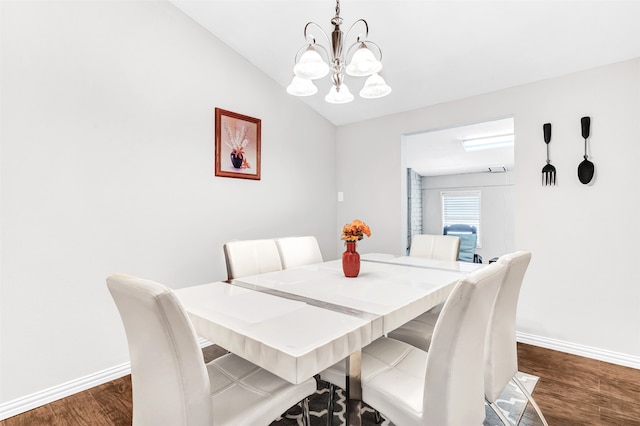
(29, 402)
(37, 399)
(581, 350)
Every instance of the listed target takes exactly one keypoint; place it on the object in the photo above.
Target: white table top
(297, 322)
(292, 339)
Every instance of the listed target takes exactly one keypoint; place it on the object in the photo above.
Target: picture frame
(237, 145)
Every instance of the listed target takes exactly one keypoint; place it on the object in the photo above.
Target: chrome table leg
(354, 389)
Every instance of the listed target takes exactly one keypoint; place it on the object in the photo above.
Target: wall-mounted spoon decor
(548, 171)
(586, 167)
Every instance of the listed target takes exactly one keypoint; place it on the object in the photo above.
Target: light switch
(340, 196)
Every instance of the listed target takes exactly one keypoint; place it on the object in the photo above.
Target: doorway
(437, 165)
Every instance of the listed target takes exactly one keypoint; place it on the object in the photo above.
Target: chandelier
(310, 64)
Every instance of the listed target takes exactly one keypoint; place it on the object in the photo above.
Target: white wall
(497, 202)
(107, 166)
(581, 288)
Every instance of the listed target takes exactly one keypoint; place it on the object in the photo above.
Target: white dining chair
(501, 357)
(171, 383)
(439, 247)
(445, 385)
(251, 257)
(298, 251)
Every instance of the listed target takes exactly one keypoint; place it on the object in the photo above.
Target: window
(461, 207)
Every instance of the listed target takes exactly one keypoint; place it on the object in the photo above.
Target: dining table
(299, 321)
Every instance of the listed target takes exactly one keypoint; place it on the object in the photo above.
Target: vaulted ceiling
(433, 51)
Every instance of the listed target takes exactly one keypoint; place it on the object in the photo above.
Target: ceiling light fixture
(491, 142)
(311, 66)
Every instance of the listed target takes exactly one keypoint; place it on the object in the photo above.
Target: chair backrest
(440, 247)
(298, 251)
(169, 378)
(468, 239)
(459, 228)
(454, 383)
(501, 356)
(251, 257)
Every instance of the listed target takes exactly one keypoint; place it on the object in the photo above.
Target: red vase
(351, 260)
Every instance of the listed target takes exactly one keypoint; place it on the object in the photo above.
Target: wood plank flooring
(577, 391)
(572, 391)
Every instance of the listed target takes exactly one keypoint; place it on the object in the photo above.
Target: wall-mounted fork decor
(586, 167)
(548, 171)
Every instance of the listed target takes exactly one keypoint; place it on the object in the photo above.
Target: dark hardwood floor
(571, 391)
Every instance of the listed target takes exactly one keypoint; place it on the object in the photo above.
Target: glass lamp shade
(310, 65)
(375, 87)
(341, 96)
(363, 63)
(301, 87)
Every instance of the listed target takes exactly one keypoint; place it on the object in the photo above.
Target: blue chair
(468, 235)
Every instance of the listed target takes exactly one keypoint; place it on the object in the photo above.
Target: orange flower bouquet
(355, 231)
(351, 234)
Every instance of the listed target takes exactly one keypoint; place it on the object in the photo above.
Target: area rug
(512, 402)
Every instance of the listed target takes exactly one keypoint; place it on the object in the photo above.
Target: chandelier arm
(366, 30)
(313, 39)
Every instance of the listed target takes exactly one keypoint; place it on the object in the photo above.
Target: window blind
(461, 207)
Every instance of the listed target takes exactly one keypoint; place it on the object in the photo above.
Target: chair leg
(330, 406)
(499, 413)
(306, 421)
(531, 400)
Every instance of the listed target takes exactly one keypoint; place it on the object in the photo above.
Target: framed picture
(237, 145)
